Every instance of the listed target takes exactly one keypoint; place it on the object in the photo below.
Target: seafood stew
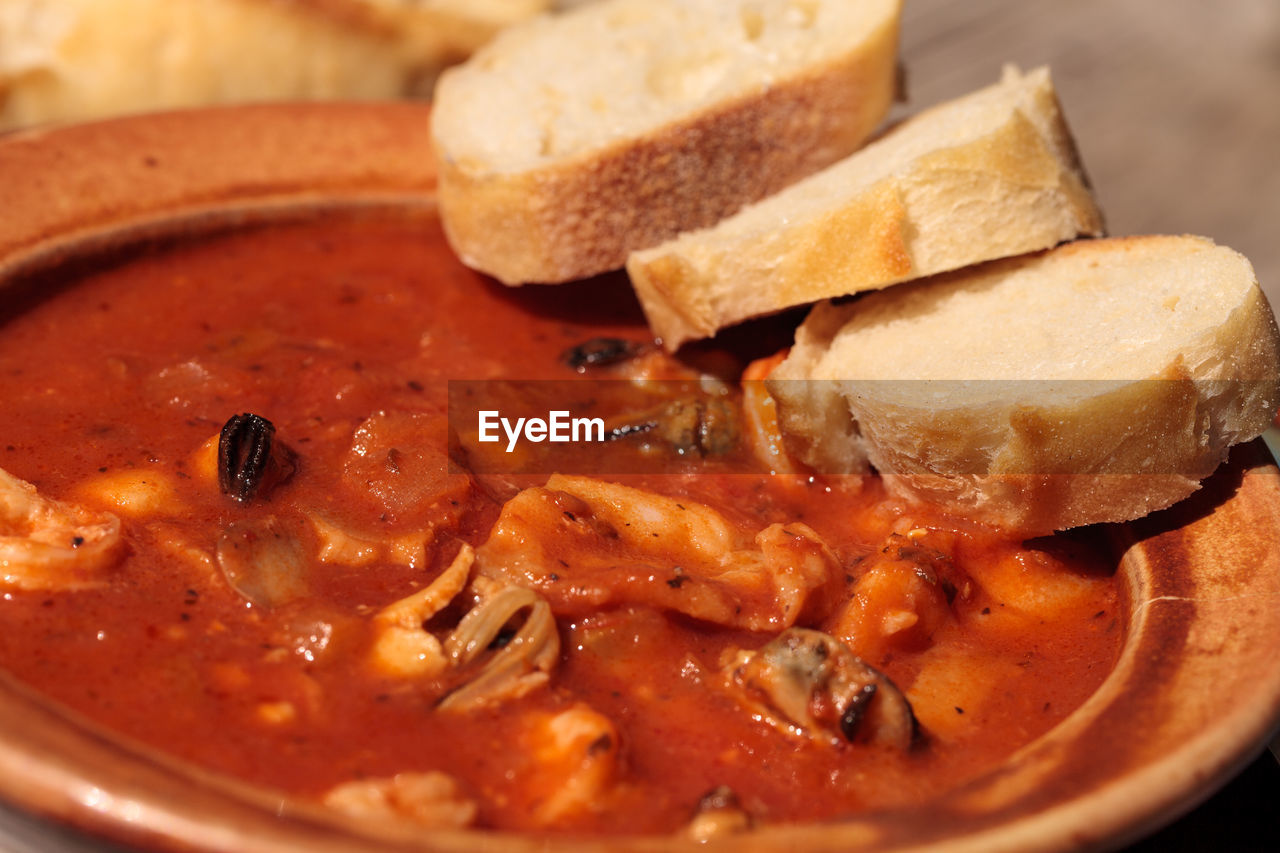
(247, 521)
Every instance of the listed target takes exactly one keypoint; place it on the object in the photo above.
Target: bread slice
(989, 175)
(571, 140)
(69, 60)
(1095, 382)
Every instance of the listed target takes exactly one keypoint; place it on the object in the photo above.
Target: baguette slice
(1095, 382)
(70, 60)
(989, 175)
(573, 139)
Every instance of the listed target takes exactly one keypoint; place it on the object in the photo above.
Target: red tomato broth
(317, 326)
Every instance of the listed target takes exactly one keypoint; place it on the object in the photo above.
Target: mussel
(808, 683)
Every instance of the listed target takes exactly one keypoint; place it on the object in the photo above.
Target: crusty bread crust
(1016, 187)
(1064, 447)
(813, 414)
(581, 215)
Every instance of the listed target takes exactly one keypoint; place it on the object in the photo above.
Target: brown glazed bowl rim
(1194, 695)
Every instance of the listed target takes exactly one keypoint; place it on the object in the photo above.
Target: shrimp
(576, 763)
(431, 800)
(587, 544)
(902, 596)
(403, 647)
(51, 545)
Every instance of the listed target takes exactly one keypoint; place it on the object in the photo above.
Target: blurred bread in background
(69, 60)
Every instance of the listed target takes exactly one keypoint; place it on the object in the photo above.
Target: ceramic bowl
(1194, 694)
